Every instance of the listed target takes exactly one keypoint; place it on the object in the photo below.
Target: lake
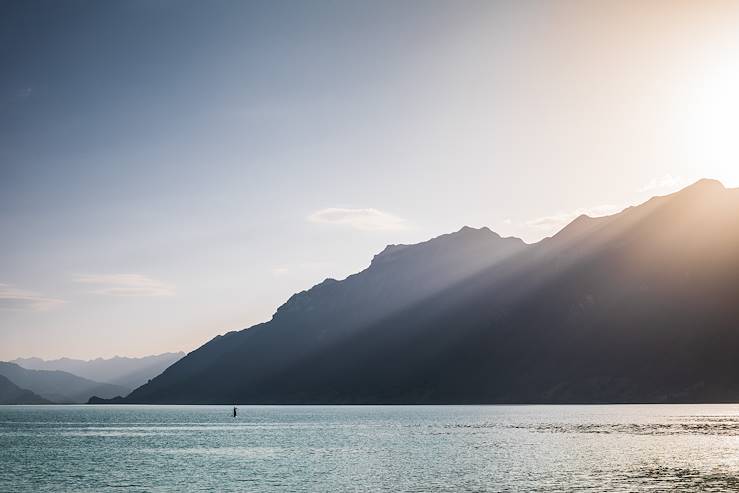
(370, 448)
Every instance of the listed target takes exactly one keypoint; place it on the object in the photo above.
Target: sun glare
(712, 123)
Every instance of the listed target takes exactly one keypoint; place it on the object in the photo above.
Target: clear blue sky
(172, 170)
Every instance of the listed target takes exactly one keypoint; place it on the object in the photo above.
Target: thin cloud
(666, 182)
(24, 93)
(127, 285)
(12, 298)
(558, 221)
(280, 270)
(361, 219)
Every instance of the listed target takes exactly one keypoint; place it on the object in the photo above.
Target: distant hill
(126, 372)
(640, 306)
(12, 394)
(59, 386)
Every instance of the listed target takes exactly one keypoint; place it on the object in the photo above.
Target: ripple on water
(375, 448)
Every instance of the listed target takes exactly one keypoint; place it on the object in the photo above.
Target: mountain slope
(12, 394)
(635, 307)
(360, 300)
(58, 386)
(125, 372)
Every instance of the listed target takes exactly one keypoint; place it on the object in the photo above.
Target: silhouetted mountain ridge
(10, 393)
(125, 372)
(638, 306)
(58, 386)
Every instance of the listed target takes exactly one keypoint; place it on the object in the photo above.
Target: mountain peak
(465, 233)
(469, 234)
(579, 227)
(469, 230)
(703, 194)
(703, 185)
(708, 182)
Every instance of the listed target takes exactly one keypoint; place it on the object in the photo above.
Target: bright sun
(712, 123)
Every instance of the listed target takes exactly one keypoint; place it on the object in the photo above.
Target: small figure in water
(234, 411)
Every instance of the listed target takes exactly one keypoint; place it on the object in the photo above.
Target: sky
(173, 170)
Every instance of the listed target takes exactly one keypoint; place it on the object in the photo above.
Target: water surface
(369, 448)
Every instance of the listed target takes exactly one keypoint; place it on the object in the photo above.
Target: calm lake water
(369, 448)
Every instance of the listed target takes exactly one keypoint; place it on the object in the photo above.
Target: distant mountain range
(640, 306)
(58, 386)
(125, 372)
(10, 393)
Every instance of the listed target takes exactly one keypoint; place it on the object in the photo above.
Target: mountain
(12, 394)
(125, 372)
(640, 306)
(58, 386)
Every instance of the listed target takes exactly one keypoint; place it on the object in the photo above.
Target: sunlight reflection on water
(375, 448)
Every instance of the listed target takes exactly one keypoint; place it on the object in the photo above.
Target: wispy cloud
(127, 285)
(12, 298)
(555, 222)
(666, 182)
(362, 219)
(280, 270)
(24, 93)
